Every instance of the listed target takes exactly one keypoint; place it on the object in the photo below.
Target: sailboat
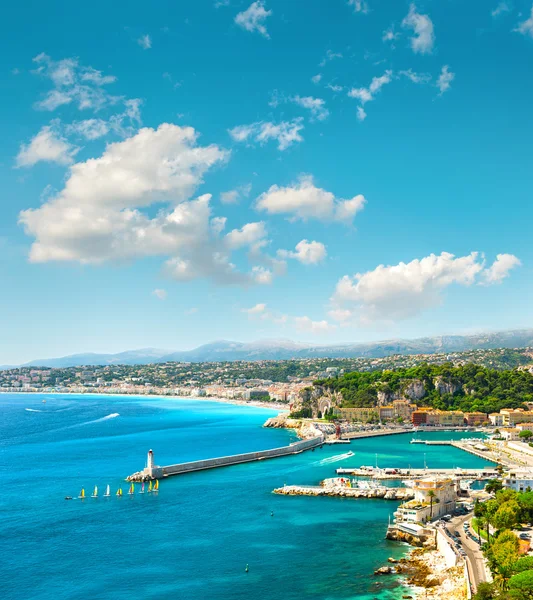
(107, 492)
(95, 492)
(142, 489)
(150, 487)
(119, 492)
(156, 486)
(82, 494)
(132, 490)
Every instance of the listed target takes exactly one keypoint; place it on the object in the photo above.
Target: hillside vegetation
(467, 388)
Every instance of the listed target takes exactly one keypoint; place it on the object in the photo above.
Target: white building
(519, 480)
(434, 497)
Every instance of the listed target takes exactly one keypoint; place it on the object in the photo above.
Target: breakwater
(156, 472)
(387, 493)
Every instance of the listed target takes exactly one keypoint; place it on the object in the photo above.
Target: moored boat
(131, 490)
(82, 494)
(119, 492)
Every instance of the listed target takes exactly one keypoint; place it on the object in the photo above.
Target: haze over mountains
(287, 349)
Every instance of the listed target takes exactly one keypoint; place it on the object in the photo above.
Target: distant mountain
(224, 350)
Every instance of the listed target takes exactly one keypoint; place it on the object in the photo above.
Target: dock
(151, 471)
(392, 473)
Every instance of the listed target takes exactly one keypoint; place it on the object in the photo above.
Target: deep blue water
(194, 538)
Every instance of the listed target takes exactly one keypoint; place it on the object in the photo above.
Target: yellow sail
(156, 486)
(119, 492)
(150, 486)
(132, 489)
(82, 493)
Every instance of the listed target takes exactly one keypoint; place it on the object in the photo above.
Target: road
(474, 555)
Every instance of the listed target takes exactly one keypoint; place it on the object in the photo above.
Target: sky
(177, 172)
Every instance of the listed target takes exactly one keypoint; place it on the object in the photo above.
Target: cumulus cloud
(258, 309)
(308, 253)
(359, 6)
(445, 79)
(145, 42)
(423, 38)
(254, 18)
(160, 294)
(46, 146)
(316, 106)
(500, 268)
(402, 291)
(389, 35)
(526, 27)
(285, 133)
(308, 325)
(316, 78)
(233, 196)
(99, 214)
(304, 200)
(361, 114)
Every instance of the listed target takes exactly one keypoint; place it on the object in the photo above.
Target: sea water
(196, 536)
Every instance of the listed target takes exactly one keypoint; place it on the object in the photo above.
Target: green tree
(524, 563)
(493, 486)
(526, 434)
(431, 496)
(521, 586)
(507, 515)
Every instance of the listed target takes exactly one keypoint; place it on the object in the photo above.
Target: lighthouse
(150, 463)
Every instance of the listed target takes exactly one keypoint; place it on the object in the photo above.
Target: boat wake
(106, 418)
(32, 410)
(334, 459)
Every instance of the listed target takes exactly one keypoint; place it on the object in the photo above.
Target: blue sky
(327, 171)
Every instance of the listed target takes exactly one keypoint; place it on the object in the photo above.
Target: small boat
(107, 492)
(68, 497)
(142, 488)
(131, 490)
(95, 492)
(82, 494)
(150, 487)
(156, 486)
(44, 401)
(119, 492)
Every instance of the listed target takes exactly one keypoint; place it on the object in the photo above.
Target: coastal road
(474, 555)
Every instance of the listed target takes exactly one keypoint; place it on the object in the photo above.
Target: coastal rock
(445, 387)
(384, 571)
(392, 560)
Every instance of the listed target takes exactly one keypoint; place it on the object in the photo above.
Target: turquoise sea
(194, 538)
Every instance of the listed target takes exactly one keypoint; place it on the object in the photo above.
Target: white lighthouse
(150, 463)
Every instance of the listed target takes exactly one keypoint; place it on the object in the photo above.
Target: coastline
(270, 405)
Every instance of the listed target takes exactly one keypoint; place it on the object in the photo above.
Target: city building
(519, 480)
(434, 497)
(362, 415)
(476, 419)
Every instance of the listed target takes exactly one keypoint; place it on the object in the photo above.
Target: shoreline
(267, 405)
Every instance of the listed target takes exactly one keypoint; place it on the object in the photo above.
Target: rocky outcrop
(344, 492)
(421, 541)
(446, 387)
(413, 389)
(305, 430)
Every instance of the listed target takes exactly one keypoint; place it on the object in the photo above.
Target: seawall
(226, 461)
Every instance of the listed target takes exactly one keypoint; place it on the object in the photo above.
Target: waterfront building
(256, 395)
(362, 415)
(438, 418)
(399, 409)
(519, 480)
(475, 419)
(510, 434)
(434, 497)
(496, 419)
(419, 417)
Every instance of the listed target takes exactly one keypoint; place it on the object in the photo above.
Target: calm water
(193, 539)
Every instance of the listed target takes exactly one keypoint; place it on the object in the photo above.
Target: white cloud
(502, 7)
(389, 35)
(424, 38)
(365, 95)
(335, 88)
(340, 315)
(316, 78)
(445, 80)
(233, 196)
(258, 309)
(90, 129)
(416, 77)
(402, 291)
(254, 18)
(285, 133)
(305, 201)
(221, 3)
(262, 276)
(330, 55)
(145, 42)
(73, 83)
(359, 6)
(526, 27)
(361, 114)
(160, 294)
(308, 253)
(317, 106)
(47, 146)
(500, 268)
(246, 236)
(310, 326)
(121, 123)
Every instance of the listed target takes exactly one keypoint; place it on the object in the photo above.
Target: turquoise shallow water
(195, 537)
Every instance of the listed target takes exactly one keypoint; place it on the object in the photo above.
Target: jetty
(340, 491)
(392, 473)
(152, 471)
